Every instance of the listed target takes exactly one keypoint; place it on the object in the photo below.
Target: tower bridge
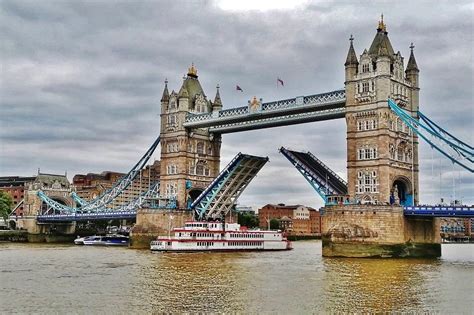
(373, 213)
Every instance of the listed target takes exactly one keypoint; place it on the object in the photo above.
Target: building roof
(50, 179)
(166, 94)
(381, 45)
(412, 62)
(283, 206)
(217, 99)
(15, 180)
(190, 88)
(351, 55)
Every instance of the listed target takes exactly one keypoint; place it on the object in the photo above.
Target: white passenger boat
(215, 236)
(108, 240)
(79, 240)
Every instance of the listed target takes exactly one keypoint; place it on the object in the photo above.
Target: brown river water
(68, 279)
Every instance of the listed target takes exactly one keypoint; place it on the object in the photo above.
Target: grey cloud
(81, 81)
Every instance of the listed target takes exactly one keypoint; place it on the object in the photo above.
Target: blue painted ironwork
(127, 211)
(296, 110)
(70, 217)
(440, 211)
(323, 180)
(435, 126)
(452, 139)
(221, 194)
(54, 205)
(426, 132)
(103, 200)
(78, 199)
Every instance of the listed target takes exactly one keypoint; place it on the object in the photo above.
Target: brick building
(457, 228)
(15, 186)
(295, 219)
(91, 185)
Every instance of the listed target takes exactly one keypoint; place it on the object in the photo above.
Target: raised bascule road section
(319, 175)
(218, 199)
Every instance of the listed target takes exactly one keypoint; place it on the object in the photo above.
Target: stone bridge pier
(56, 187)
(378, 231)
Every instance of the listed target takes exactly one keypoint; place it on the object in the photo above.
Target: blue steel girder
(87, 216)
(78, 199)
(283, 120)
(103, 200)
(120, 186)
(53, 204)
(220, 196)
(456, 152)
(131, 206)
(440, 211)
(301, 109)
(435, 127)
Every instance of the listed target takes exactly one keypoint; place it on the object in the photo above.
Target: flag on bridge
(280, 81)
(238, 88)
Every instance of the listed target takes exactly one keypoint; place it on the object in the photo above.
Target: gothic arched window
(200, 148)
(200, 169)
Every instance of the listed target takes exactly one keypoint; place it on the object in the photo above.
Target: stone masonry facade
(190, 160)
(382, 152)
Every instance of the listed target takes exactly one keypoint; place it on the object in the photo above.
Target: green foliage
(6, 204)
(248, 220)
(274, 224)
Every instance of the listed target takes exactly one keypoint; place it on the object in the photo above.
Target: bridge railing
(440, 211)
(317, 101)
(327, 168)
(86, 216)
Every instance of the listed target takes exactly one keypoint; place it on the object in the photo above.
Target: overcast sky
(81, 81)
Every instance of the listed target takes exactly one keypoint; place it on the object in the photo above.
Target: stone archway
(401, 192)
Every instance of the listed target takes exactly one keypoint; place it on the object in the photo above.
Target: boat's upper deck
(210, 226)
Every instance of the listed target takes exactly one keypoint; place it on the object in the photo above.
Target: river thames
(47, 278)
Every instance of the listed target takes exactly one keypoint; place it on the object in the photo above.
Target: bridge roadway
(419, 211)
(302, 109)
(115, 215)
(440, 211)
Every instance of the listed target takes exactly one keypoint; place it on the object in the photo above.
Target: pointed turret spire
(351, 55)
(217, 104)
(381, 45)
(412, 62)
(166, 94)
(217, 99)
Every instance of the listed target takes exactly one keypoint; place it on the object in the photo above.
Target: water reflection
(63, 279)
(194, 282)
(372, 285)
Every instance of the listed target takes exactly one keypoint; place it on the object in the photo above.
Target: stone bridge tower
(189, 158)
(382, 152)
